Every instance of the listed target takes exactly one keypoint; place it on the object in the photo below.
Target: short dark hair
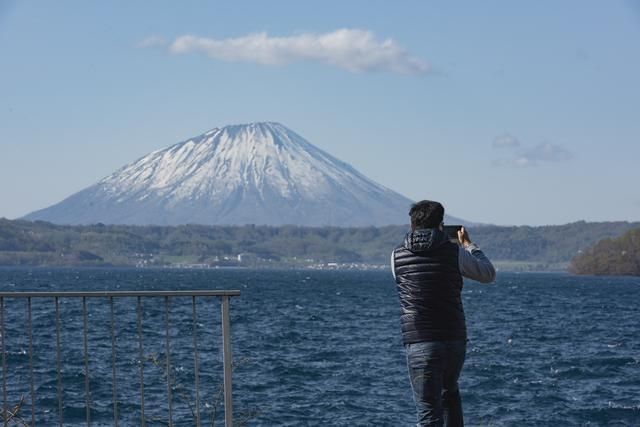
(426, 214)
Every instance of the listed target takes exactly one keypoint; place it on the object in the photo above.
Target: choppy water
(323, 348)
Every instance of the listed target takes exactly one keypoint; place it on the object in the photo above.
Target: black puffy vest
(429, 285)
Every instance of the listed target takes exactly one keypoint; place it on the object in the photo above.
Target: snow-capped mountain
(260, 173)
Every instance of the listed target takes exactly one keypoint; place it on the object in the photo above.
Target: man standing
(428, 270)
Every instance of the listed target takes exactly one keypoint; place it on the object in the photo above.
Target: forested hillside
(42, 243)
(545, 245)
(618, 256)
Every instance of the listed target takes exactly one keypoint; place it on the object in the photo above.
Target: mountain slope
(611, 256)
(260, 173)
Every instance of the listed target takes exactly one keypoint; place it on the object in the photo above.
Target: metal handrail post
(31, 385)
(5, 410)
(168, 357)
(196, 360)
(226, 351)
(143, 420)
(113, 364)
(87, 381)
(59, 362)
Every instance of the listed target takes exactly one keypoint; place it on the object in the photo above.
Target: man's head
(426, 214)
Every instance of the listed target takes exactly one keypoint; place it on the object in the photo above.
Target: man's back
(429, 283)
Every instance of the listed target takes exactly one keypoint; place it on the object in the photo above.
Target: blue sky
(507, 112)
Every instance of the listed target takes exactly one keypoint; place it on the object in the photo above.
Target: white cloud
(548, 153)
(523, 162)
(351, 49)
(152, 41)
(534, 156)
(505, 141)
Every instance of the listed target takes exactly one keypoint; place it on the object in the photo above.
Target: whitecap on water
(615, 405)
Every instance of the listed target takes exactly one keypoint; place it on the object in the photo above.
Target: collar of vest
(425, 239)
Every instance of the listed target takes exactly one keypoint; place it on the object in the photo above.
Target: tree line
(46, 244)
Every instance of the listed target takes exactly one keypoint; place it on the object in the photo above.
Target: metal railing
(222, 295)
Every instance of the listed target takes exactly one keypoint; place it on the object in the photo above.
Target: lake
(324, 348)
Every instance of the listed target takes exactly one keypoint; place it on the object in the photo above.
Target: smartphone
(452, 232)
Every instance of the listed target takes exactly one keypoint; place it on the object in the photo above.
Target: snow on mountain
(259, 173)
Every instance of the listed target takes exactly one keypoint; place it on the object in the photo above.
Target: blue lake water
(323, 348)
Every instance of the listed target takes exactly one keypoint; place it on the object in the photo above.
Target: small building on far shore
(246, 257)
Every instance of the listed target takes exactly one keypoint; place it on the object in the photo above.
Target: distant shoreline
(42, 244)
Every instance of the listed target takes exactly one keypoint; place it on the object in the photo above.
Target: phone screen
(452, 231)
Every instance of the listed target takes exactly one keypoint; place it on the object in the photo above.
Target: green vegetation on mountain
(617, 256)
(548, 247)
(45, 244)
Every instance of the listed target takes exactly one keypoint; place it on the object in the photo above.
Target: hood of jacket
(425, 239)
